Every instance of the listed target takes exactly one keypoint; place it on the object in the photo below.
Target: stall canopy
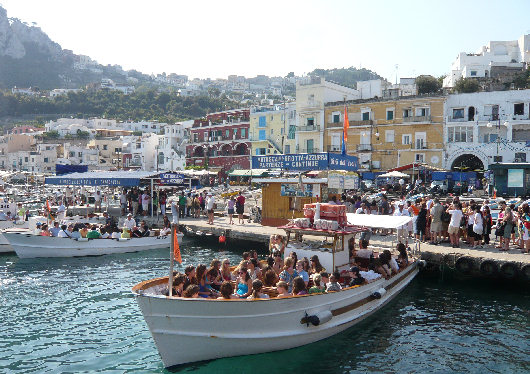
(377, 221)
(248, 173)
(102, 178)
(307, 161)
(394, 174)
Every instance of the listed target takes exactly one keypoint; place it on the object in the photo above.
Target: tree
(427, 84)
(290, 74)
(466, 85)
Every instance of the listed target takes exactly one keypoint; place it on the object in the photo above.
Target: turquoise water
(78, 315)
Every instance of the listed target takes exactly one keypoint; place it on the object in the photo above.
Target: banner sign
(307, 161)
(172, 178)
(336, 181)
(294, 190)
(65, 181)
(351, 182)
(515, 178)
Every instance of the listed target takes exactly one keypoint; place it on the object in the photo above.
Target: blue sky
(217, 38)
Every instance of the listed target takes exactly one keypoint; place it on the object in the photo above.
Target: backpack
(446, 217)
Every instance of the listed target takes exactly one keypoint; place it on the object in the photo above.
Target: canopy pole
(152, 196)
(171, 260)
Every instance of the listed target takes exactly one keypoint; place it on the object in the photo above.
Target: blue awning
(102, 178)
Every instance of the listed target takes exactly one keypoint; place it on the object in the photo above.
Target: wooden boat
(189, 330)
(28, 245)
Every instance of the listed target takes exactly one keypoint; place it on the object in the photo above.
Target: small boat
(28, 245)
(187, 330)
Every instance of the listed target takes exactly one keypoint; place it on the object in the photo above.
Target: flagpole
(171, 259)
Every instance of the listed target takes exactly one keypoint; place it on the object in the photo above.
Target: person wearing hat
(129, 222)
(356, 278)
(38, 229)
(210, 203)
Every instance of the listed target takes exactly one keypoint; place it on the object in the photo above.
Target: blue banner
(307, 161)
(65, 181)
(172, 178)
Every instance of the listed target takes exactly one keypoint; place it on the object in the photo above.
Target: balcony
(334, 148)
(417, 119)
(367, 122)
(309, 128)
(364, 147)
(309, 150)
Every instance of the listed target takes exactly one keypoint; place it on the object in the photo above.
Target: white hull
(185, 331)
(32, 246)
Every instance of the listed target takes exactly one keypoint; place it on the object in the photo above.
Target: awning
(248, 173)
(394, 174)
(102, 178)
(377, 221)
(416, 166)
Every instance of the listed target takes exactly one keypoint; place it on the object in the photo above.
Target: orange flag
(346, 124)
(48, 205)
(176, 248)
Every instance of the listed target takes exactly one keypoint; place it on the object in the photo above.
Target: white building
(80, 155)
(311, 96)
(141, 151)
(41, 159)
(70, 126)
(63, 91)
(172, 150)
(507, 54)
(487, 127)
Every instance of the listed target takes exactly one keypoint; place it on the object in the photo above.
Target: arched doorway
(241, 149)
(226, 150)
(198, 152)
(471, 113)
(468, 162)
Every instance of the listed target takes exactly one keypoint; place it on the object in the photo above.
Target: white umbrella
(394, 174)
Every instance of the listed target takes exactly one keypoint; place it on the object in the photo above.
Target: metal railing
(417, 119)
(309, 128)
(334, 148)
(364, 147)
(309, 150)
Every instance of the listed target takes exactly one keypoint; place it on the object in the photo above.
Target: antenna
(396, 66)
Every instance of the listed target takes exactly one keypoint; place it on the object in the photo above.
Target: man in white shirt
(65, 233)
(129, 222)
(209, 207)
(402, 230)
(429, 202)
(97, 202)
(123, 202)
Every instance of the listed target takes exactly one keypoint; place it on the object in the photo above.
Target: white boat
(189, 330)
(28, 245)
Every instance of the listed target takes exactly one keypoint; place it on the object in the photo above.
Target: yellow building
(110, 150)
(387, 133)
(272, 129)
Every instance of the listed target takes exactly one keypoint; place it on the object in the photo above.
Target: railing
(417, 119)
(334, 148)
(309, 128)
(367, 122)
(364, 147)
(309, 150)
(335, 124)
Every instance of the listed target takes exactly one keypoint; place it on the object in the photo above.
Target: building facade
(273, 129)
(387, 133)
(487, 127)
(221, 141)
(172, 154)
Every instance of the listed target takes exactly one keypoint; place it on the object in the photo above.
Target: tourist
(325, 278)
(227, 292)
(115, 233)
(257, 285)
(178, 285)
(402, 230)
(230, 209)
(277, 266)
(93, 233)
(210, 205)
(294, 257)
(189, 272)
(225, 270)
(55, 229)
(421, 222)
(204, 290)
(316, 267)
(162, 197)
(166, 230)
(244, 283)
(317, 287)
(97, 201)
(333, 284)
(507, 221)
(436, 222)
(299, 287)
(488, 223)
(525, 223)
(283, 289)
(392, 263)
(83, 231)
(355, 277)
(254, 269)
(145, 203)
(403, 258)
(381, 264)
(134, 201)
(63, 233)
(196, 204)
(104, 233)
(123, 201)
(182, 205)
(129, 223)
(270, 278)
(192, 291)
(45, 231)
(240, 208)
(202, 202)
(478, 227)
(301, 272)
(288, 273)
(454, 225)
(125, 233)
(333, 200)
(213, 275)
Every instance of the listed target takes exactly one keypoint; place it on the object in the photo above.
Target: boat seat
(271, 291)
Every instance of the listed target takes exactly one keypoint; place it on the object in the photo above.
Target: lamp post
(498, 127)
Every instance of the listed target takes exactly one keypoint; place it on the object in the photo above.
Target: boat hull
(32, 246)
(185, 332)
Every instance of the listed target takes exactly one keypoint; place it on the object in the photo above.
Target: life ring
(464, 265)
(509, 270)
(489, 268)
(525, 272)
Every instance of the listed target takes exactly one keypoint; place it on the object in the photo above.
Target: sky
(214, 39)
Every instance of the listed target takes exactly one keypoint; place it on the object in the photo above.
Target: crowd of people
(278, 276)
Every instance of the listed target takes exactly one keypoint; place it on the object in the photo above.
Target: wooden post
(171, 259)
(152, 196)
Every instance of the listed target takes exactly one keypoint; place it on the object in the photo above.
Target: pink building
(221, 140)
(24, 130)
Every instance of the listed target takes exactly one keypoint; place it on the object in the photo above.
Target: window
(262, 135)
(309, 146)
(227, 133)
(405, 139)
(262, 121)
(260, 151)
(46, 159)
(422, 112)
(138, 145)
(287, 149)
(419, 157)
(71, 154)
(243, 133)
(272, 131)
(336, 117)
(389, 136)
(520, 157)
(473, 73)
(311, 99)
(518, 109)
(272, 118)
(292, 132)
(310, 122)
(366, 116)
(80, 154)
(421, 140)
(490, 138)
(497, 158)
(460, 134)
(458, 113)
(235, 133)
(195, 138)
(105, 147)
(26, 159)
(389, 115)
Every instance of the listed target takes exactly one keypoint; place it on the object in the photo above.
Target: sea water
(78, 315)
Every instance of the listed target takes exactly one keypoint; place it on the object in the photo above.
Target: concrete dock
(487, 261)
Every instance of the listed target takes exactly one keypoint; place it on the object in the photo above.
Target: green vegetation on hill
(147, 104)
(346, 76)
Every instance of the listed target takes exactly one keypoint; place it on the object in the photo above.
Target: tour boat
(28, 245)
(187, 330)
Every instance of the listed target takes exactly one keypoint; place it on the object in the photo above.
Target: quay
(488, 261)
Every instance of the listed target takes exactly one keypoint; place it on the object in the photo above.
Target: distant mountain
(28, 57)
(346, 76)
